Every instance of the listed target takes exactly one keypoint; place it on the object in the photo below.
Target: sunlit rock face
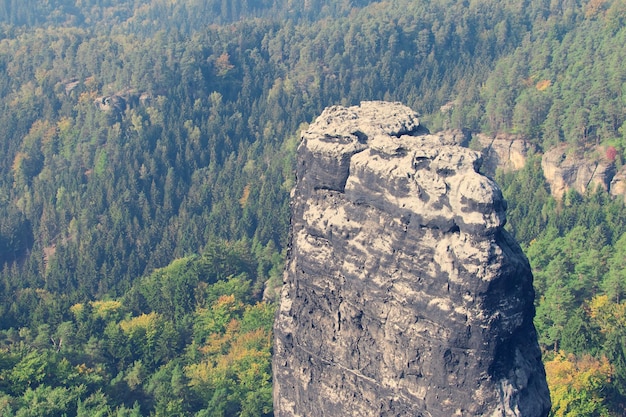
(403, 294)
(565, 170)
(504, 151)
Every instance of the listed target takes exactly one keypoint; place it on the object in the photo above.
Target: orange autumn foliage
(543, 85)
(576, 384)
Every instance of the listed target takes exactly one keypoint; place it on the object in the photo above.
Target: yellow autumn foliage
(578, 373)
(607, 314)
(143, 321)
(64, 124)
(218, 343)
(77, 308)
(18, 161)
(232, 356)
(105, 309)
(244, 198)
(576, 383)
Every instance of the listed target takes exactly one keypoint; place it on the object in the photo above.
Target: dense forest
(148, 157)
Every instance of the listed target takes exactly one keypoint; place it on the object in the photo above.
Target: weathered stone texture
(403, 295)
(618, 184)
(565, 170)
(506, 152)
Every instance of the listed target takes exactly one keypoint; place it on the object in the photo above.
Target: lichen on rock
(403, 293)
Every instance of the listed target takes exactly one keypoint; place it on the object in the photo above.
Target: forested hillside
(149, 134)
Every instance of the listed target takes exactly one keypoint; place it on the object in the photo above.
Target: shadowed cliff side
(403, 294)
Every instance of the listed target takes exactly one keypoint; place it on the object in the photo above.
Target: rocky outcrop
(618, 184)
(403, 294)
(121, 100)
(565, 170)
(506, 152)
(111, 103)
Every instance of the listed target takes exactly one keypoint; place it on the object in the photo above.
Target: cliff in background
(564, 168)
(506, 152)
(403, 294)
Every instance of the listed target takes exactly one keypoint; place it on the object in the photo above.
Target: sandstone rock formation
(403, 295)
(506, 152)
(565, 170)
(618, 184)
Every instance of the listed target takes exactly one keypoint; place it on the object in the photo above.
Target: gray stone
(506, 152)
(403, 294)
(618, 184)
(566, 169)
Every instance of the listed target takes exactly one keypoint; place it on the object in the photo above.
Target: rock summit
(403, 294)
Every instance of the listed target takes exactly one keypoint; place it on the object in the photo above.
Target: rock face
(506, 152)
(618, 184)
(403, 295)
(564, 170)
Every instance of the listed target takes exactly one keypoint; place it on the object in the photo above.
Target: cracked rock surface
(403, 294)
